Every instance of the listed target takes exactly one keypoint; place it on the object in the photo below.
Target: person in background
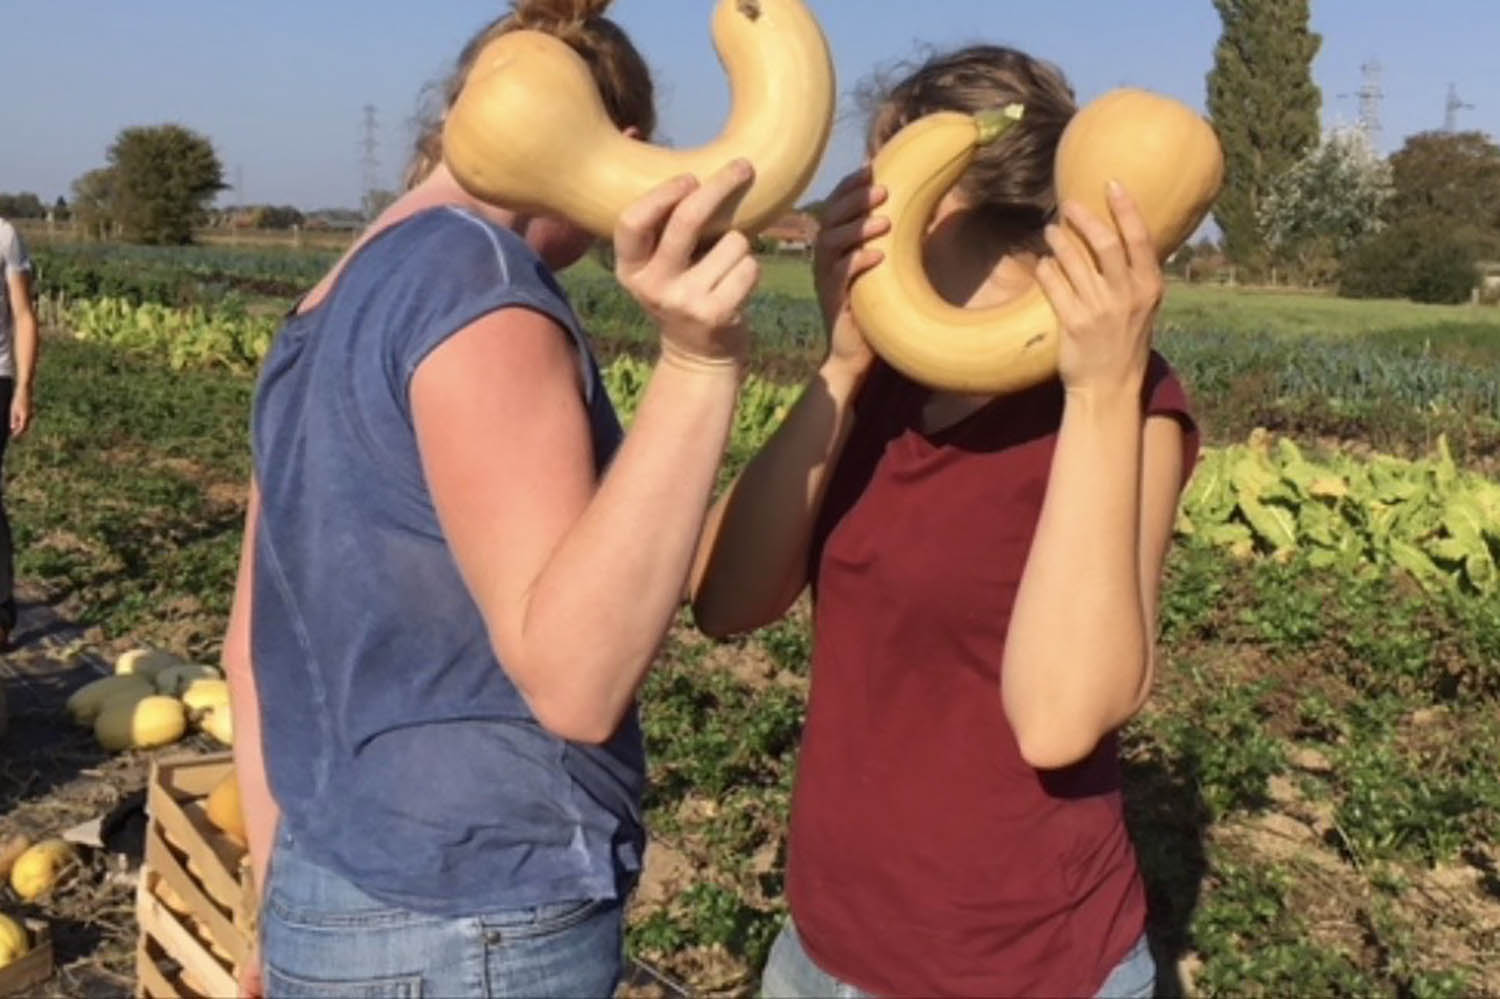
(456, 571)
(19, 346)
(984, 573)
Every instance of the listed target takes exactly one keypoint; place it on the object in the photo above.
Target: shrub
(1412, 260)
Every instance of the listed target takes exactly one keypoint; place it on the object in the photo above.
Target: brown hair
(622, 75)
(1011, 180)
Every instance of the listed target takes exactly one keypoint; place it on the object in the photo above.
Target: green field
(1195, 306)
(1314, 788)
(1253, 310)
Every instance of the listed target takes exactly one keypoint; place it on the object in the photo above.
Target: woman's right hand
(840, 256)
(698, 306)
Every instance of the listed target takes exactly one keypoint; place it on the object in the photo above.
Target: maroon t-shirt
(925, 856)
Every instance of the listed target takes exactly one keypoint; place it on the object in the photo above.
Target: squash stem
(993, 124)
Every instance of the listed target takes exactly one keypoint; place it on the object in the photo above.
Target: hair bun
(550, 15)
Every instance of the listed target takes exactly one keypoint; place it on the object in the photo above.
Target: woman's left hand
(1108, 312)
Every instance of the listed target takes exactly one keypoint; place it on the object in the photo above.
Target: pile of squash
(153, 699)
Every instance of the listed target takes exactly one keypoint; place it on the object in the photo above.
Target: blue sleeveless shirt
(399, 751)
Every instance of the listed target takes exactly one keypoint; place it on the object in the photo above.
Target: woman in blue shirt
(456, 570)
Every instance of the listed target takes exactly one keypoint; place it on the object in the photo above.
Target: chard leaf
(1273, 523)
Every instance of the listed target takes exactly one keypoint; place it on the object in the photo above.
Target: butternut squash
(1167, 157)
(530, 132)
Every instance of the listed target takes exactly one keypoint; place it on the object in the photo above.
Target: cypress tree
(1265, 106)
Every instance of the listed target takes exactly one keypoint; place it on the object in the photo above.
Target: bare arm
(1079, 652)
(579, 586)
(752, 560)
(261, 812)
(27, 345)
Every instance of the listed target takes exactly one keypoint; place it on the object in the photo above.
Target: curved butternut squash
(1168, 158)
(530, 132)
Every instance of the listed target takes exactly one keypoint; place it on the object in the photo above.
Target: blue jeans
(790, 974)
(321, 936)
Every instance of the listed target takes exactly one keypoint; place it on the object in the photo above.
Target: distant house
(333, 220)
(1489, 282)
(792, 233)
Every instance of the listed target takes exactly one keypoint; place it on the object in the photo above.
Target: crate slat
(187, 828)
(198, 953)
(182, 944)
(161, 863)
(150, 982)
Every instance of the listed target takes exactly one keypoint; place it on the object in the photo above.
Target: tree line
(1325, 208)
(1298, 204)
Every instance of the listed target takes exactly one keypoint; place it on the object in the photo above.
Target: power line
(1451, 109)
(1370, 95)
(369, 157)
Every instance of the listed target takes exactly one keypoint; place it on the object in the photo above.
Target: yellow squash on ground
(201, 695)
(218, 721)
(140, 723)
(223, 807)
(145, 662)
(530, 132)
(11, 847)
(173, 680)
(14, 940)
(1167, 157)
(86, 702)
(37, 870)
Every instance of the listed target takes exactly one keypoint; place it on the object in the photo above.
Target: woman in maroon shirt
(985, 575)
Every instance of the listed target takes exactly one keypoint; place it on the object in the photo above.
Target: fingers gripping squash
(1167, 157)
(530, 132)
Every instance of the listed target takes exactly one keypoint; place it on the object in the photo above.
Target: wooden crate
(35, 965)
(195, 946)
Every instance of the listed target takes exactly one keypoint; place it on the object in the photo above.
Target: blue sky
(278, 85)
